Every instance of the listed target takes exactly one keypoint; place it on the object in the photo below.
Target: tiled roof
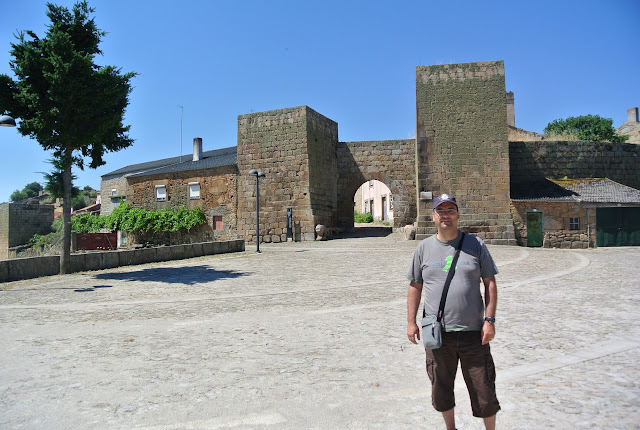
(592, 190)
(209, 159)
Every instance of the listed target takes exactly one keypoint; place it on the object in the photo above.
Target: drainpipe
(588, 230)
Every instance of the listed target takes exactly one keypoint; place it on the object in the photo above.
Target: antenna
(181, 115)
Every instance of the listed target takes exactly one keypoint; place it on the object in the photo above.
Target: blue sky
(352, 61)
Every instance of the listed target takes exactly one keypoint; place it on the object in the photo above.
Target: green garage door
(618, 226)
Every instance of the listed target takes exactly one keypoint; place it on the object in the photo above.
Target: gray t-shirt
(464, 309)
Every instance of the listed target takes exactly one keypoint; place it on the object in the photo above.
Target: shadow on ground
(173, 275)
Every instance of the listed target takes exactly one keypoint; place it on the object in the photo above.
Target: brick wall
(462, 146)
(619, 162)
(388, 161)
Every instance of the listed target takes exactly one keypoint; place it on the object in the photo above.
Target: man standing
(468, 322)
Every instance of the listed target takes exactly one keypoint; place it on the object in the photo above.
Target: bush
(362, 218)
(586, 127)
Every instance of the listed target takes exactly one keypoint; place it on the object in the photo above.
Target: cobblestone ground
(312, 335)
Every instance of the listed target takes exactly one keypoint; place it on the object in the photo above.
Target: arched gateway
(310, 173)
(461, 148)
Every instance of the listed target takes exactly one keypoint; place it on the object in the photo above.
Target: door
(534, 229)
(384, 209)
(618, 226)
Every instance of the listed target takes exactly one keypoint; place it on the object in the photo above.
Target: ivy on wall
(124, 217)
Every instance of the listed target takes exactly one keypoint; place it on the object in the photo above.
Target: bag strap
(452, 271)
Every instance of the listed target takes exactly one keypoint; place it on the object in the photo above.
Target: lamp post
(7, 121)
(258, 175)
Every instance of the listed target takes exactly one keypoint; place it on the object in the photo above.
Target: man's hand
(488, 332)
(413, 332)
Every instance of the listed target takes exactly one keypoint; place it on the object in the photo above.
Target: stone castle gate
(309, 171)
(461, 148)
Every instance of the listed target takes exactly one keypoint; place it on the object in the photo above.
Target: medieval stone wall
(531, 161)
(218, 194)
(275, 143)
(388, 161)
(19, 222)
(322, 141)
(462, 146)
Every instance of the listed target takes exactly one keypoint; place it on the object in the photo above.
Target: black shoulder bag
(431, 324)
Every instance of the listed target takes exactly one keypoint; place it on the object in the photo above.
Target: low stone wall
(566, 239)
(34, 267)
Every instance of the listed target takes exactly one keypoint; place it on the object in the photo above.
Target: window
(194, 190)
(114, 192)
(366, 206)
(161, 193)
(217, 222)
(574, 223)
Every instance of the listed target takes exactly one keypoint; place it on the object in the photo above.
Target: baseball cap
(444, 198)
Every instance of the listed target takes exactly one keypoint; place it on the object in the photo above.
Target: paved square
(312, 335)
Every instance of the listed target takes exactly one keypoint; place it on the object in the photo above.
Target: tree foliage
(586, 127)
(70, 105)
(30, 190)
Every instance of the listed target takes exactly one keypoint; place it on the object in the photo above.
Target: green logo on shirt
(449, 261)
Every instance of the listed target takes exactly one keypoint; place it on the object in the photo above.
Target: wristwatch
(492, 320)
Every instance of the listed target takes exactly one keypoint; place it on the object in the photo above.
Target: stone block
(34, 267)
(208, 248)
(127, 257)
(177, 252)
(93, 261)
(110, 259)
(77, 263)
(189, 251)
(4, 270)
(145, 255)
(163, 253)
(197, 249)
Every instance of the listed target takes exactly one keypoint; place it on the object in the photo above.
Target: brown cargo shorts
(478, 371)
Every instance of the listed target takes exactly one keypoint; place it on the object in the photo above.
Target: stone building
(19, 222)
(631, 127)
(576, 213)
(464, 118)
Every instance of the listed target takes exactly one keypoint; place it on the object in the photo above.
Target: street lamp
(258, 175)
(7, 121)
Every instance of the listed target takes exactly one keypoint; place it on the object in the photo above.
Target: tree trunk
(65, 255)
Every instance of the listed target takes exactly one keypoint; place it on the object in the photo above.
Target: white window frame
(574, 223)
(194, 190)
(114, 192)
(161, 193)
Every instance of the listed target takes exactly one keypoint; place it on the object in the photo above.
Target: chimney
(632, 115)
(197, 148)
(511, 114)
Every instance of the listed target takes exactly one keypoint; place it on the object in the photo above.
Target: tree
(70, 105)
(586, 127)
(30, 190)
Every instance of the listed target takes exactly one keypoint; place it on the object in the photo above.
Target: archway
(373, 201)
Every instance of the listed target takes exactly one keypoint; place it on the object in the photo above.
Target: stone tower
(296, 149)
(462, 147)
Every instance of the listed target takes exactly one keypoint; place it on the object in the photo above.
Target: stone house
(576, 213)
(206, 180)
